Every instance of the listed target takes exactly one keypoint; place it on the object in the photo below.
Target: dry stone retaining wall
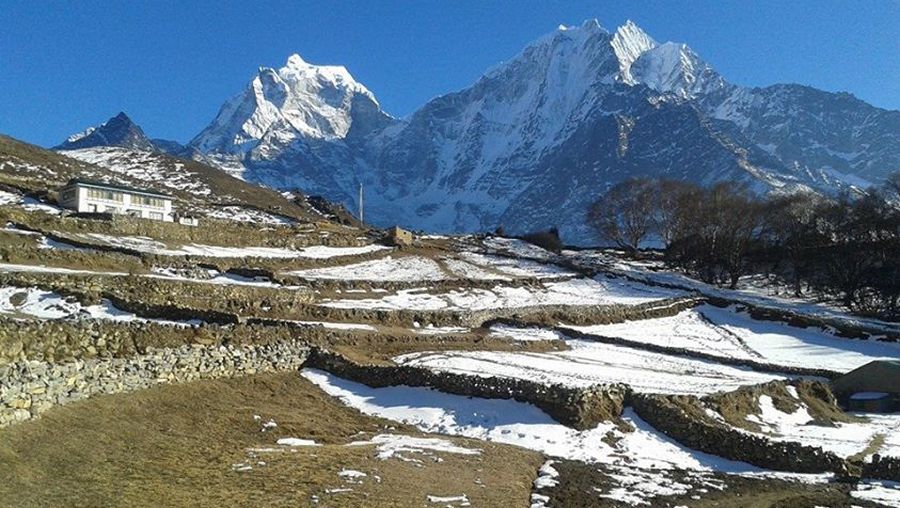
(667, 414)
(543, 314)
(577, 408)
(29, 388)
(884, 468)
(60, 341)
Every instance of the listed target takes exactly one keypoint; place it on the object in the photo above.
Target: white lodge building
(86, 196)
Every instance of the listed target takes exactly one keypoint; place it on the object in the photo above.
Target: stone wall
(883, 468)
(433, 286)
(577, 408)
(675, 416)
(60, 341)
(29, 388)
(537, 314)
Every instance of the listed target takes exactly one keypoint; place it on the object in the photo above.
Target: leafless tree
(624, 215)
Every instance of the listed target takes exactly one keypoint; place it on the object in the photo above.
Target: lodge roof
(111, 186)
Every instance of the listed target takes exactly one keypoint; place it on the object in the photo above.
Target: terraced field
(306, 363)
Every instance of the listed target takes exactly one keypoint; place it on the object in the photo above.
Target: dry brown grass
(175, 446)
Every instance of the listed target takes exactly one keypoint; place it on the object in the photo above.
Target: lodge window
(105, 195)
(148, 201)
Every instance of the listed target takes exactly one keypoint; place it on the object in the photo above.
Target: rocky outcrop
(30, 388)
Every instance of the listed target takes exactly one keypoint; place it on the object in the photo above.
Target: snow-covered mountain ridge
(538, 137)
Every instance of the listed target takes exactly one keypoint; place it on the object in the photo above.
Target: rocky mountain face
(537, 138)
(118, 131)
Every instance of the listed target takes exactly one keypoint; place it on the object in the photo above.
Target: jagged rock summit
(117, 131)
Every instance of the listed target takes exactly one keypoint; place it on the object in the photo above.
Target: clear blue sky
(171, 64)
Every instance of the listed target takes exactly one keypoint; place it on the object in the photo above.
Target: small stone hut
(873, 387)
(398, 236)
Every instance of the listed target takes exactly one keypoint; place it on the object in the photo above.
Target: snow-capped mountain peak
(298, 100)
(629, 42)
(298, 71)
(675, 68)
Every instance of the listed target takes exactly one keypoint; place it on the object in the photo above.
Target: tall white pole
(361, 218)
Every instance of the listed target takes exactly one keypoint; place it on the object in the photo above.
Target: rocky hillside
(197, 187)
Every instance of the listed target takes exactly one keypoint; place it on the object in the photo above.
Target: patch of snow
(49, 243)
(462, 500)
(338, 326)
(441, 330)
(547, 476)
(588, 363)
(516, 247)
(467, 270)
(34, 205)
(524, 334)
(731, 334)
(15, 268)
(293, 441)
(843, 439)
(520, 268)
(883, 492)
(244, 214)
(40, 304)
(212, 276)
(409, 268)
(8, 198)
(400, 446)
(582, 291)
